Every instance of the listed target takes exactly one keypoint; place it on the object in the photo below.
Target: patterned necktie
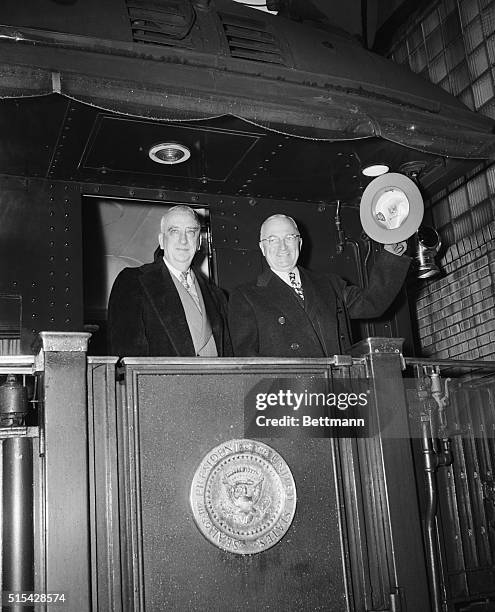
(295, 285)
(189, 288)
(184, 281)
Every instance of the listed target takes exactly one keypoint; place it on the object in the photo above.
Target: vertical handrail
(17, 536)
(17, 518)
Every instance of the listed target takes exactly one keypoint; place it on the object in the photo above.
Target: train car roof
(268, 107)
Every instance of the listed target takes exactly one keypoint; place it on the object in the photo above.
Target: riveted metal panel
(40, 254)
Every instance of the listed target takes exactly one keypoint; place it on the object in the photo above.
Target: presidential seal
(243, 496)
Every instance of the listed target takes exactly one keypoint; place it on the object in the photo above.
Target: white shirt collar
(285, 275)
(178, 273)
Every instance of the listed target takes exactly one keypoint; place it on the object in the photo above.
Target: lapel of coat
(313, 305)
(311, 297)
(280, 292)
(160, 289)
(210, 308)
(285, 298)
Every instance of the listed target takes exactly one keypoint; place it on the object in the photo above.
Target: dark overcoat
(267, 319)
(146, 316)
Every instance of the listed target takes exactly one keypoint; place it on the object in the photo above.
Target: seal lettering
(243, 497)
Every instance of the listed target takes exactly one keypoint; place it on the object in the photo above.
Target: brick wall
(455, 314)
(452, 43)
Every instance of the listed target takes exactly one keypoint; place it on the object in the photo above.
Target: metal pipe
(364, 23)
(362, 274)
(17, 524)
(341, 237)
(430, 462)
(342, 241)
(463, 363)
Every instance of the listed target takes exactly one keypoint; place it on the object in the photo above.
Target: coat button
(281, 320)
(294, 346)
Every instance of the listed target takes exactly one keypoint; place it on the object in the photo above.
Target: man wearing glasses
(166, 308)
(292, 312)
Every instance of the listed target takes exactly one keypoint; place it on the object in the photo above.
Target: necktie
(184, 279)
(295, 285)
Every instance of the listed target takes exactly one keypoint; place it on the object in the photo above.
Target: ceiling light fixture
(259, 5)
(169, 153)
(375, 170)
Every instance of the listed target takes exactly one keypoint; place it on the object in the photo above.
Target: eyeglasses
(273, 241)
(190, 232)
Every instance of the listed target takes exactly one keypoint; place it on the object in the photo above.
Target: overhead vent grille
(160, 22)
(249, 39)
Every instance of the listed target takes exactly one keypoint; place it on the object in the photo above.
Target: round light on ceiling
(375, 170)
(169, 153)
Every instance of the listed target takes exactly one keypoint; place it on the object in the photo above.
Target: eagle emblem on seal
(243, 496)
(242, 500)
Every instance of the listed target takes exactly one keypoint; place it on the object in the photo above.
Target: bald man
(292, 312)
(166, 308)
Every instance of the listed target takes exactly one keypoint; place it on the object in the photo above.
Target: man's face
(179, 239)
(278, 245)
